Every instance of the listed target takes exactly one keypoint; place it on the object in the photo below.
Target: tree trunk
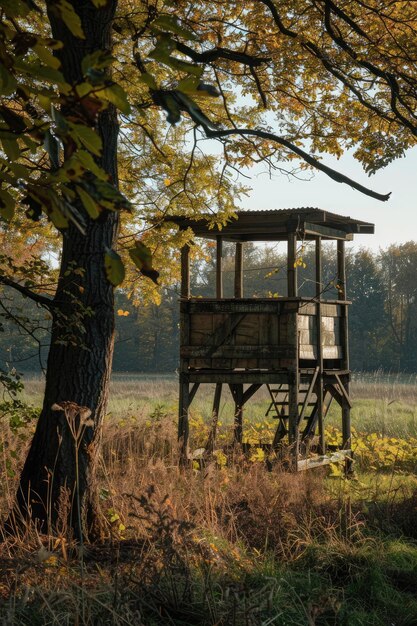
(60, 463)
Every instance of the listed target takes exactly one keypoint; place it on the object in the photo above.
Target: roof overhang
(275, 225)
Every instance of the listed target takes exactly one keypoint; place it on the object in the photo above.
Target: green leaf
(182, 66)
(142, 258)
(60, 121)
(194, 111)
(188, 84)
(89, 164)
(83, 89)
(40, 72)
(165, 43)
(19, 171)
(47, 57)
(45, 102)
(7, 204)
(100, 59)
(107, 195)
(185, 66)
(5, 177)
(205, 89)
(171, 107)
(51, 205)
(15, 8)
(78, 164)
(87, 136)
(8, 83)
(57, 216)
(117, 96)
(34, 210)
(171, 24)
(66, 12)
(54, 44)
(11, 148)
(149, 80)
(52, 147)
(114, 267)
(30, 143)
(192, 85)
(16, 123)
(100, 3)
(89, 203)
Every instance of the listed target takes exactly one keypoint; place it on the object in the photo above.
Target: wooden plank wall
(227, 335)
(256, 334)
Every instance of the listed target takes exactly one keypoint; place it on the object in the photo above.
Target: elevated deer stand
(296, 346)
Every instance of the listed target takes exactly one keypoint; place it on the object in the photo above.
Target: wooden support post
(341, 269)
(185, 271)
(293, 421)
(219, 267)
(192, 393)
(237, 393)
(214, 420)
(291, 266)
(341, 281)
(293, 389)
(239, 271)
(344, 334)
(347, 435)
(320, 382)
(346, 429)
(183, 425)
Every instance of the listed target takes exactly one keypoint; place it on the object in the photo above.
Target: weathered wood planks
(250, 333)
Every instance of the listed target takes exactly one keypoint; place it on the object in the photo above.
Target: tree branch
(221, 53)
(28, 293)
(334, 174)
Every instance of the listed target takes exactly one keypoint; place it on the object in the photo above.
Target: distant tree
(147, 338)
(368, 321)
(398, 265)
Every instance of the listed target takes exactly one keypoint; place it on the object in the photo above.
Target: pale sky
(395, 221)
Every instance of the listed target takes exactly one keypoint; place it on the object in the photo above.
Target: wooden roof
(274, 225)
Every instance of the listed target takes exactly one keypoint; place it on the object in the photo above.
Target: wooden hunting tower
(296, 346)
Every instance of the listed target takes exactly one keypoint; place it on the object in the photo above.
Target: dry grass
(231, 545)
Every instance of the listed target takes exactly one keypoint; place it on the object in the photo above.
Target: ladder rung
(285, 417)
(278, 404)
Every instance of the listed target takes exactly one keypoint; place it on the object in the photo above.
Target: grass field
(230, 543)
(382, 403)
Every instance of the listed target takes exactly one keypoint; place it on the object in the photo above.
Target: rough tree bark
(76, 374)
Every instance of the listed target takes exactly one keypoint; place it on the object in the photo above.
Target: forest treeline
(382, 319)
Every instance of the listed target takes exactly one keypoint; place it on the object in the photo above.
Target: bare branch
(28, 293)
(334, 174)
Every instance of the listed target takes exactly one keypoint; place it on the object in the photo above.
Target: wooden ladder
(308, 409)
